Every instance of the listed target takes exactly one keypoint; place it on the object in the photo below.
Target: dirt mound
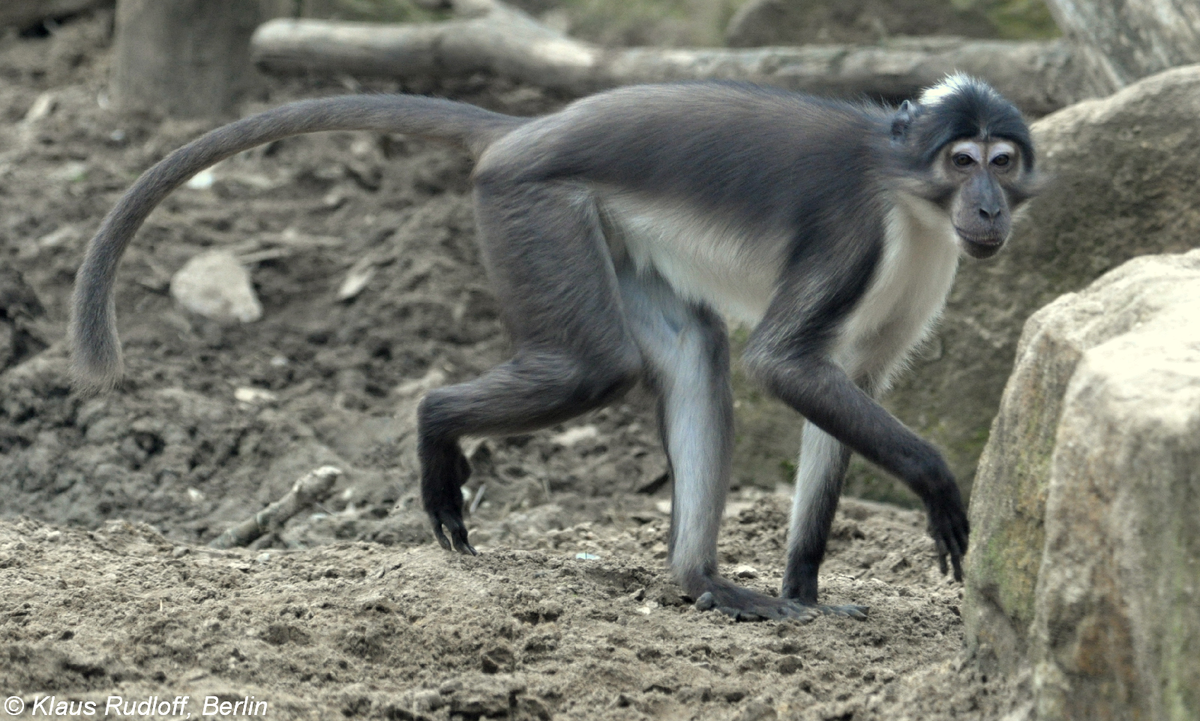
(527, 630)
(350, 610)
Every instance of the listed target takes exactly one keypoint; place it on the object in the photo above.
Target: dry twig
(312, 488)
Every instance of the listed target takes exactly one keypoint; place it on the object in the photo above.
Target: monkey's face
(986, 175)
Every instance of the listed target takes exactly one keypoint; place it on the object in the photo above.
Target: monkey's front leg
(829, 400)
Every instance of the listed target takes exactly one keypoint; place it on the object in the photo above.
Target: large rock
(1123, 183)
(1117, 43)
(1085, 558)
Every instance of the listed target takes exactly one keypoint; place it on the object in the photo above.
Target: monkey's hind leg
(531, 391)
(552, 274)
(823, 462)
(687, 355)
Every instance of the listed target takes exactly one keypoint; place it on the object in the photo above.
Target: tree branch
(1038, 76)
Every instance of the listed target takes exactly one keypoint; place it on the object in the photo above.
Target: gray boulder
(1085, 556)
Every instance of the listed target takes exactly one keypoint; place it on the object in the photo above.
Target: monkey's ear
(902, 121)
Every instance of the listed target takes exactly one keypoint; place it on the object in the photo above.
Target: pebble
(216, 285)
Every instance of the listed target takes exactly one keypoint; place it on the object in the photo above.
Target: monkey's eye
(962, 160)
(1002, 160)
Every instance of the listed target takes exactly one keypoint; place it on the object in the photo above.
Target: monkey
(623, 232)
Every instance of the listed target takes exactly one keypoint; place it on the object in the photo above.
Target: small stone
(571, 436)
(744, 571)
(428, 700)
(497, 658)
(789, 665)
(621, 701)
(757, 711)
(202, 180)
(216, 285)
(42, 107)
(254, 396)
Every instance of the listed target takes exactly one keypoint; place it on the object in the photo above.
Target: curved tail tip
(96, 367)
(89, 379)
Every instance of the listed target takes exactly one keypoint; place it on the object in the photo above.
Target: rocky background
(345, 268)
(360, 250)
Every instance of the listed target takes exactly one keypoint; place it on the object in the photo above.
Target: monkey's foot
(742, 604)
(457, 530)
(444, 471)
(848, 610)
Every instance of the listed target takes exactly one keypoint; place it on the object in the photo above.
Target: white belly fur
(707, 261)
(702, 259)
(907, 294)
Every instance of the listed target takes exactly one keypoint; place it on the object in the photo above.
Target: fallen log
(1040, 77)
(24, 13)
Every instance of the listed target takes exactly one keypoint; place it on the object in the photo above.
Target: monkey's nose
(989, 214)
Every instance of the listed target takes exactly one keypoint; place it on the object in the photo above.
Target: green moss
(1022, 19)
(1011, 561)
(976, 442)
(1181, 632)
(1015, 19)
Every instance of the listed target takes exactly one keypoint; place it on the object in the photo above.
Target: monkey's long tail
(95, 348)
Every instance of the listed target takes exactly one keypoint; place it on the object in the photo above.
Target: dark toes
(740, 615)
(441, 537)
(457, 540)
(754, 607)
(802, 613)
(849, 611)
(461, 545)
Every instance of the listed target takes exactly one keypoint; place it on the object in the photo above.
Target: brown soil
(109, 590)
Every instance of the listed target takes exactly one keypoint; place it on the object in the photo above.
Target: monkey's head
(975, 150)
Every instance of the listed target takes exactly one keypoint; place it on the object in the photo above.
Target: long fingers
(458, 533)
(950, 535)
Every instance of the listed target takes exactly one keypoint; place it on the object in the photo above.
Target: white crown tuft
(951, 85)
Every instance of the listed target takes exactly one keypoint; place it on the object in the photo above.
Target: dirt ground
(107, 588)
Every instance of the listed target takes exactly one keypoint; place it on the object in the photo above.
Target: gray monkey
(621, 231)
